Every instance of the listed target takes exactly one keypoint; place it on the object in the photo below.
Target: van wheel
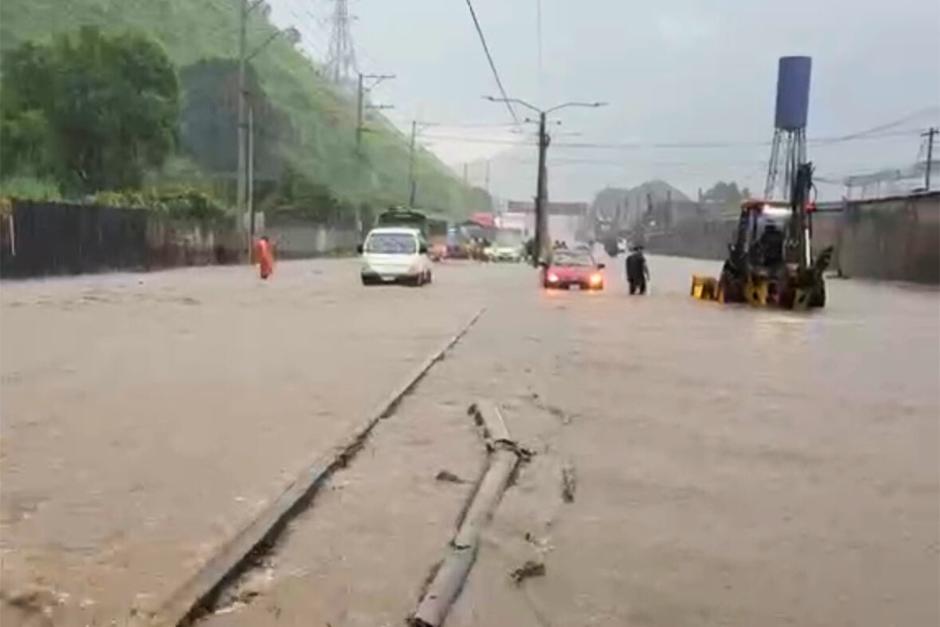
(427, 279)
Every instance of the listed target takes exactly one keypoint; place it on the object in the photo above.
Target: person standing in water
(264, 254)
(638, 273)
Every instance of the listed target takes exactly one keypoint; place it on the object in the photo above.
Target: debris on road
(249, 586)
(446, 475)
(529, 569)
(503, 457)
(569, 482)
(490, 420)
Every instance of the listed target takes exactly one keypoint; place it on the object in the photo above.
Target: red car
(573, 268)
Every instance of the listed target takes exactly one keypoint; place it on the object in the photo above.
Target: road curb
(189, 600)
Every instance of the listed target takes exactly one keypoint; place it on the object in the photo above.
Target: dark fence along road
(55, 238)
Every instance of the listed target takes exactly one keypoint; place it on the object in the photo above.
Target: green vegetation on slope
(317, 138)
(91, 111)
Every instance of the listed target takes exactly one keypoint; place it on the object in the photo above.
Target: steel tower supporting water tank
(789, 144)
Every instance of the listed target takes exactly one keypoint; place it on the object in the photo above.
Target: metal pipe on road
(503, 457)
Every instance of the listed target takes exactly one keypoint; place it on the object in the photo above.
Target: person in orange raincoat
(264, 255)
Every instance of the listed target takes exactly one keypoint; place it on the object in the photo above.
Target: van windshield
(392, 244)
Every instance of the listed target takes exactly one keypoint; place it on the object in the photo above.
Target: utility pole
(242, 62)
(541, 191)
(250, 196)
(242, 175)
(361, 106)
(929, 135)
(487, 179)
(413, 184)
(541, 200)
(465, 172)
(360, 97)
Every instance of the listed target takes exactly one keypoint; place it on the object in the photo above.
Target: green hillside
(314, 134)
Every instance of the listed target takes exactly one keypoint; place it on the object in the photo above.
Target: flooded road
(734, 467)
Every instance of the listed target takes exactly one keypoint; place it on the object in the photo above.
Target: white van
(393, 255)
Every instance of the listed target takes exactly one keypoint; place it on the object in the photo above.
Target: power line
(676, 145)
(480, 140)
(886, 126)
(459, 125)
(489, 57)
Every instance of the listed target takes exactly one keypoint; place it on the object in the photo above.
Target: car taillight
(552, 277)
(596, 279)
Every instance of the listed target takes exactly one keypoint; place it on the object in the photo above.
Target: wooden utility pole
(359, 104)
(413, 183)
(242, 62)
(541, 191)
(929, 135)
(541, 196)
(250, 196)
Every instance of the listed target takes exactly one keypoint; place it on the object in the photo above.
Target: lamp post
(243, 200)
(541, 189)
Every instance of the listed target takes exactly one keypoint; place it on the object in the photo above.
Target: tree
(726, 194)
(26, 141)
(95, 110)
(209, 117)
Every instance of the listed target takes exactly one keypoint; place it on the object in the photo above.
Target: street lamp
(541, 192)
(293, 36)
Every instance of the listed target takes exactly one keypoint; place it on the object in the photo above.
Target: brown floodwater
(733, 466)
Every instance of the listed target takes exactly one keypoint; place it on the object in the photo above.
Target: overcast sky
(672, 71)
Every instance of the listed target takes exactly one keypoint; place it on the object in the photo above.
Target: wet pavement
(733, 467)
(147, 417)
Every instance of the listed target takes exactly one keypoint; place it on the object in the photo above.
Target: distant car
(508, 245)
(573, 268)
(395, 255)
(498, 252)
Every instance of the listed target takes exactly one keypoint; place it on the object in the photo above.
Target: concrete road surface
(733, 467)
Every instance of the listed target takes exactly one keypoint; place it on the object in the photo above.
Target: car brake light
(552, 277)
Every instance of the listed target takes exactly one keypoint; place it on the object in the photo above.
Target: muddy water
(733, 467)
(148, 417)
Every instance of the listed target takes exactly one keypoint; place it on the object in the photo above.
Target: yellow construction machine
(771, 263)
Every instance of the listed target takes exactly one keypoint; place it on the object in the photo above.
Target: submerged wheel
(818, 297)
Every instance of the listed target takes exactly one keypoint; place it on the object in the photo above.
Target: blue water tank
(793, 92)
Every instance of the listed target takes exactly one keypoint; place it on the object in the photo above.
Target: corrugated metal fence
(46, 238)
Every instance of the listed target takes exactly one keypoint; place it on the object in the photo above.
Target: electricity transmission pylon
(341, 60)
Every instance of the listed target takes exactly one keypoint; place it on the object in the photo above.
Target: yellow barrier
(704, 287)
